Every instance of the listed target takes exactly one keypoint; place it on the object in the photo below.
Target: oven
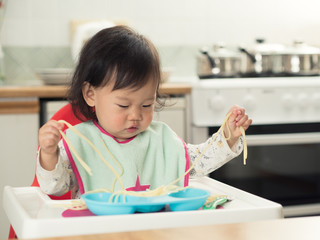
(283, 163)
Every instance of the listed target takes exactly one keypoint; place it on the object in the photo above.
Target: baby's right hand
(49, 136)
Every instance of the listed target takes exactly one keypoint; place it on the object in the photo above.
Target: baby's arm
(54, 172)
(218, 154)
(49, 137)
(222, 150)
(59, 180)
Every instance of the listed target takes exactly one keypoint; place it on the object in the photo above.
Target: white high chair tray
(33, 215)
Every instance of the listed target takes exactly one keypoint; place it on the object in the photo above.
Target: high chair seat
(64, 113)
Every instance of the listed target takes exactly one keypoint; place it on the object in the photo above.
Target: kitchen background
(37, 33)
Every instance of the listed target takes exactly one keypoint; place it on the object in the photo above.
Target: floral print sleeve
(218, 154)
(60, 180)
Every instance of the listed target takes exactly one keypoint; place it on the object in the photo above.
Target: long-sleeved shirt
(62, 178)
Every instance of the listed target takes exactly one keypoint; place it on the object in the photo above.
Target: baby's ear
(88, 94)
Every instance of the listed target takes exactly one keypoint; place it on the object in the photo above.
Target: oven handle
(282, 139)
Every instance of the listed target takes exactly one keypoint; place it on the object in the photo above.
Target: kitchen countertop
(292, 228)
(59, 91)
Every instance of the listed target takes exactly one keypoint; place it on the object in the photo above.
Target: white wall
(166, 22)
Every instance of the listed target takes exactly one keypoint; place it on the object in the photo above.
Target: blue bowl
(99, 204)
(191, 199)
(184, 200)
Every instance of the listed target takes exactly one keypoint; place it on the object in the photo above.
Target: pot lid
(302, 48)
(268, 48)
(220, 50)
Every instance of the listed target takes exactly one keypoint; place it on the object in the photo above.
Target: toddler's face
(124, 113)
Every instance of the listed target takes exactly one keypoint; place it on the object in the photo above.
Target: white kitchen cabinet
(176, 115)
(18, 148)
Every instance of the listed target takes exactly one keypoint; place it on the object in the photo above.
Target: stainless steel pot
(298, 60)
(259, 59)
(218, 62)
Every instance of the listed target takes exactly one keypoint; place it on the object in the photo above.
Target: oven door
(283, 165)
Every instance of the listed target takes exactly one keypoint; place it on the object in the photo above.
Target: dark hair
(119, 54)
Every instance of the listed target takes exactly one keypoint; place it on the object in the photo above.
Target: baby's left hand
(237, 119)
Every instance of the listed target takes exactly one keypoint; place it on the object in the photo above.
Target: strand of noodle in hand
(114, 159)
(245, 148)
(86, 167)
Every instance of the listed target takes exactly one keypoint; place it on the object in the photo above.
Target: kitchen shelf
(60, 91)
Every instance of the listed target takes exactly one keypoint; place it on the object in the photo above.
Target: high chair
(64, 113)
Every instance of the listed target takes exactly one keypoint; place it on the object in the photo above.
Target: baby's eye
(147, 105)
(123, 106)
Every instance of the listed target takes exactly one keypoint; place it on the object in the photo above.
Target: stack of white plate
(55, 76)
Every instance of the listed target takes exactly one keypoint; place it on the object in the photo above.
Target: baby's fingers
(52, 126)
(49, 135)
(245, 122)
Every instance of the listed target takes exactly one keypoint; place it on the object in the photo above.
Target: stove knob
(288, 101)
(217, 103)
(249, 103)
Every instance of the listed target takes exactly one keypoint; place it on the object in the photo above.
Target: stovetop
(251, 82)
(254, 75)
(266, 100)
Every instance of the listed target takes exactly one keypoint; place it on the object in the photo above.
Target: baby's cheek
(149, 117)
(148, 120)
(118, 122)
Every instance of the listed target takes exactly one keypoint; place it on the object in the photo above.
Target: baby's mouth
(132, 129)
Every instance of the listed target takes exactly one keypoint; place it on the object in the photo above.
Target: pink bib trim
(186, 177)
(74, 166)
(105, 132)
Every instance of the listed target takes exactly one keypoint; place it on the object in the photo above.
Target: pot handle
(211, 61)
(251, 57)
